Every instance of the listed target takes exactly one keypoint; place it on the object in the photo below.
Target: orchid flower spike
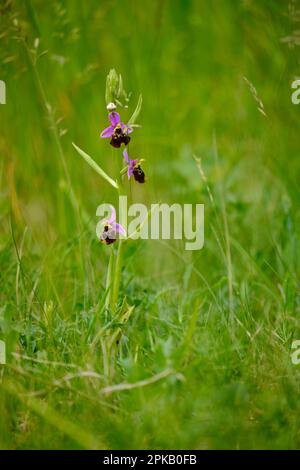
(134, 168)
(118, 131)
(111, 229)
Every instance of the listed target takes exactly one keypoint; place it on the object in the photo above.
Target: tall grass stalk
(226, 235)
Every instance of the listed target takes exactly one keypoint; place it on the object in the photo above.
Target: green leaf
(95, 166)
(136, 111)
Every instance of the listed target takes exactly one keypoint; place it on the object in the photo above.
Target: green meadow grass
(203, 360)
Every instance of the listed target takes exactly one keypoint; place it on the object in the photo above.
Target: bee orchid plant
(120, 134)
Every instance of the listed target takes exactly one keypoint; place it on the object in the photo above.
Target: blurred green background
(218, 324)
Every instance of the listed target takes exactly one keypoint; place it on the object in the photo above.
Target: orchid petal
(126, 156)
(130, 171)
(119, 229)
(112, 218)
(114, 118)
(108, 132)
(128, 130)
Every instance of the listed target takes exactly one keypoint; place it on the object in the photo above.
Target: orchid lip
(134, 168)
(112, 228)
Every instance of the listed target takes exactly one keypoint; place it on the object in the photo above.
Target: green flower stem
(118, 264)
(117, 276)
(109, 278)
